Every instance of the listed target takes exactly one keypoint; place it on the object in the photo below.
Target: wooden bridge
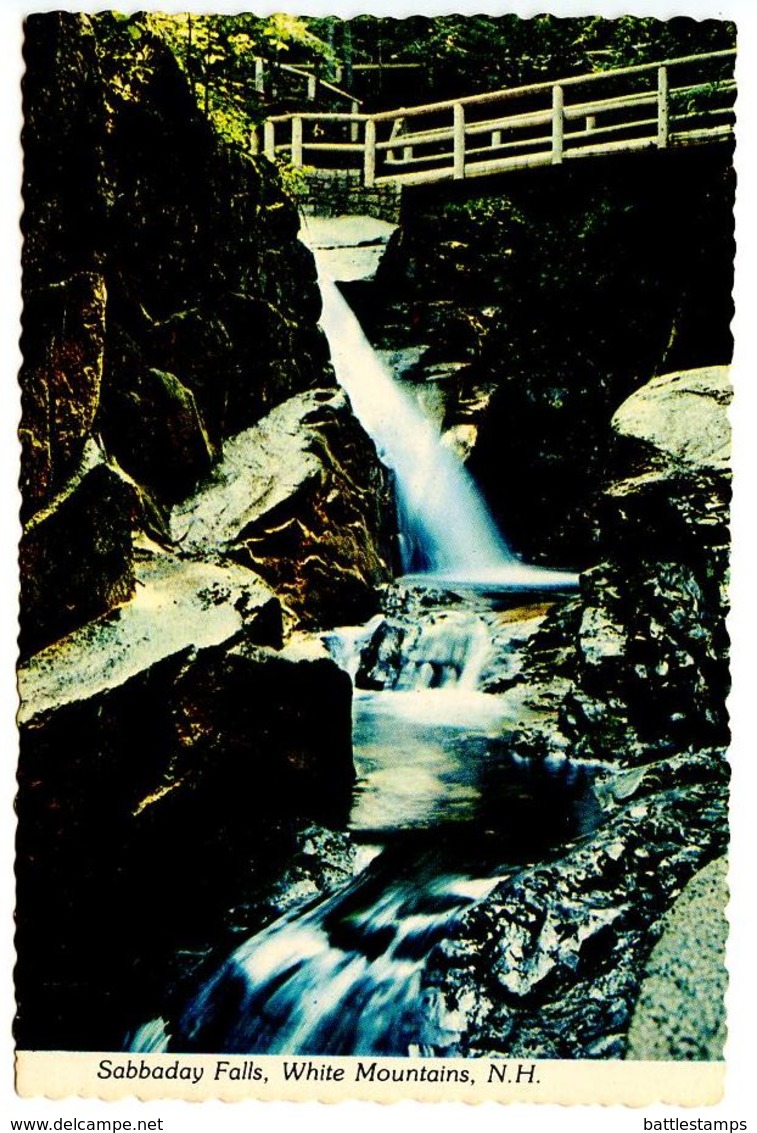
(670, 104)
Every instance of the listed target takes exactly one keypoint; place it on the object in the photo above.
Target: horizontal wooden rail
(550, 126)
(508, 93)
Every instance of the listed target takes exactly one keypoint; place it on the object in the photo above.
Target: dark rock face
(299, 700)
(637, 670)
(63, 341)
(75, 555)
(157, 432)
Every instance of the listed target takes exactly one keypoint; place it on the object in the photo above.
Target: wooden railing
(674, 103)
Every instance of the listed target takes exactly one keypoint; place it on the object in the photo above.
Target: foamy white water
(445, 524)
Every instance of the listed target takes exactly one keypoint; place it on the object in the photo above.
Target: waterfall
(454, 810)
(446, 530)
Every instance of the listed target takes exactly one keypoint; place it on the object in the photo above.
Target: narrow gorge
(373, 592)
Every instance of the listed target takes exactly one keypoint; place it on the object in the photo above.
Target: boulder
(680, 1013)
(681, 417)
(178, 608)
(299, 498)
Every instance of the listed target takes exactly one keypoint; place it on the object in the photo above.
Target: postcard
(374, 568)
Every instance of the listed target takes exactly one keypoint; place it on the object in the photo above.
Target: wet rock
(432, 639)
(298, 498)
(75, 555)
(381, 657)
(461, 439)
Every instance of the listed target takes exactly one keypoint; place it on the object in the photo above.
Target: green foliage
(467, 54)
(293, 178)
(285, 32)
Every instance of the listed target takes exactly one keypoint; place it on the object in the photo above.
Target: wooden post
(312, 87)
(297, 142)
(338, 72)
(260, 75)
(269, 139)
(369, 154)
(255, 141)
(354, 126)
(663, 109)
(558, 124)
(391, 155)
(591, 123)
(496, 138)
(407, 153)
(458, 141)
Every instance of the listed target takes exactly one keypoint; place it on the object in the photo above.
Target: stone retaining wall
(341, 192)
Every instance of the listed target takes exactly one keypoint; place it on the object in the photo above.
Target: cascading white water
(447, 532)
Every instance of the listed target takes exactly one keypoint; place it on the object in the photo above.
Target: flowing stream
(443, 809)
